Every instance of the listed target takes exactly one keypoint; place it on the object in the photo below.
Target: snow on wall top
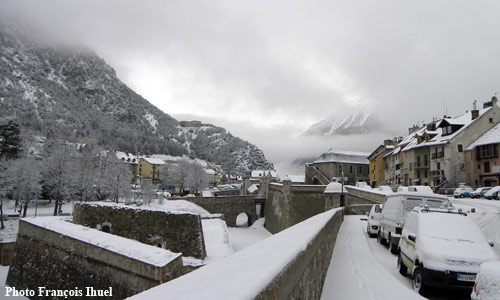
(127, 247)
(491, 136)
(184, 207)
(247, 272)
(343, 157)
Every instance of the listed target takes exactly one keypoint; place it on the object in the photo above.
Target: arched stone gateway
(229, 206)
(243, 220)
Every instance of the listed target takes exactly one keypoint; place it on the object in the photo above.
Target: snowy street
(361, 268)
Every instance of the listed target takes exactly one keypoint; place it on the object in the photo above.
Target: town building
(482, 162)
(377, 161)
(150, 168)
(354, 166)
(433, 154)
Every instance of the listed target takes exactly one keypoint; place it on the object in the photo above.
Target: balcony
(435, 173)
(437, 155)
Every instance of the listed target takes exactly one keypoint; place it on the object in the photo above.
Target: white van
(395, 209)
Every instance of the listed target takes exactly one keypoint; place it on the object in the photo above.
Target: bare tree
(59, 172)
(24, 174)
(197, 177)
(186, 174)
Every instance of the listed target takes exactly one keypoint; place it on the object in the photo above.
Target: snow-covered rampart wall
(289, 265)
(57, 254)
(176, 231)
(287, 204)
(229, 206)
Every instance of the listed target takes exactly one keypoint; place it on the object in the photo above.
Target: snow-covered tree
(58, 171)
(197, 178)
(187, 174)
(24, 176)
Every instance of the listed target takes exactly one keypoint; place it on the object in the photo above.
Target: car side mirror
(472, 210)
(412, 237)
(491, 243)
(377, 208)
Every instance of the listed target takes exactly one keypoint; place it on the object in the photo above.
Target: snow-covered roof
(262, 173)
(210, 172)
(343, 157)
(465, 120)
(154, 161)
(491, 136)
(126, 156)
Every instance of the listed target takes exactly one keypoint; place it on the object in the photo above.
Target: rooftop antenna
(445, 106)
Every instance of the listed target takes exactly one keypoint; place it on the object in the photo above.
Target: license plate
(466, 277)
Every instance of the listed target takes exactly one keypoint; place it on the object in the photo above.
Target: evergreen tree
(10, 139)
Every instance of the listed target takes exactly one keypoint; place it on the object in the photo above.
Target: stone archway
(243, 220)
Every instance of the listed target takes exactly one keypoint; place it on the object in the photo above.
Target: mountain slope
(360, 121)
(74, 95)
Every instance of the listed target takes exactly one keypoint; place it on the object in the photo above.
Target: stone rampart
(289, 265)
(178, 232)
(229, 206)
(78, 257)
(287, 204)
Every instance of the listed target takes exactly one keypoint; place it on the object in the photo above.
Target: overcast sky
(267, 70)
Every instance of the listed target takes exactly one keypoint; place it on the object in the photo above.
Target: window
(460, 148)
(439, 166)
(350, 169)
(486, 166)
(410, 166)
(425, 160)
(360, 169)
(340, 168)
(487, 151)
(491, 120)
(418, 174)
(479, 166)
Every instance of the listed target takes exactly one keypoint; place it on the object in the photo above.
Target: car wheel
(461, 196)
(403, 270)
(380, 239)
(393, 247)
(418, 283)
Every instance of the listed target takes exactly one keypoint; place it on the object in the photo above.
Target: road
(363, 269)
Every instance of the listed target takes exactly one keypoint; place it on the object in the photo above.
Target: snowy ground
(363, 269)
(242, 237)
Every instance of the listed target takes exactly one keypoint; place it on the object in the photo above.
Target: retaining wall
(178, 232)
(289, 265)
(50, 258)
(229, 206)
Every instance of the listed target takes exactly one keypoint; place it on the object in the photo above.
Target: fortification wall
(289, 265)
(48, 258)
(287, 205)
(229, 206)
(178, 232)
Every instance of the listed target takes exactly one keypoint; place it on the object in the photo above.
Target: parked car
(492, 193)
(463, 192)
(396, 208)
(487, 286)
(479, 192)
(442, 248)
(373, 220)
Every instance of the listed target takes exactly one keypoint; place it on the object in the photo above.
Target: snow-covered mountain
(360, 121)
(74, 95)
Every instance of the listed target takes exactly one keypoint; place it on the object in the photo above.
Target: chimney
(412, 129)
(474, 112)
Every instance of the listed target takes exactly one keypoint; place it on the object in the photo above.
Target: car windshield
(450, 226)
